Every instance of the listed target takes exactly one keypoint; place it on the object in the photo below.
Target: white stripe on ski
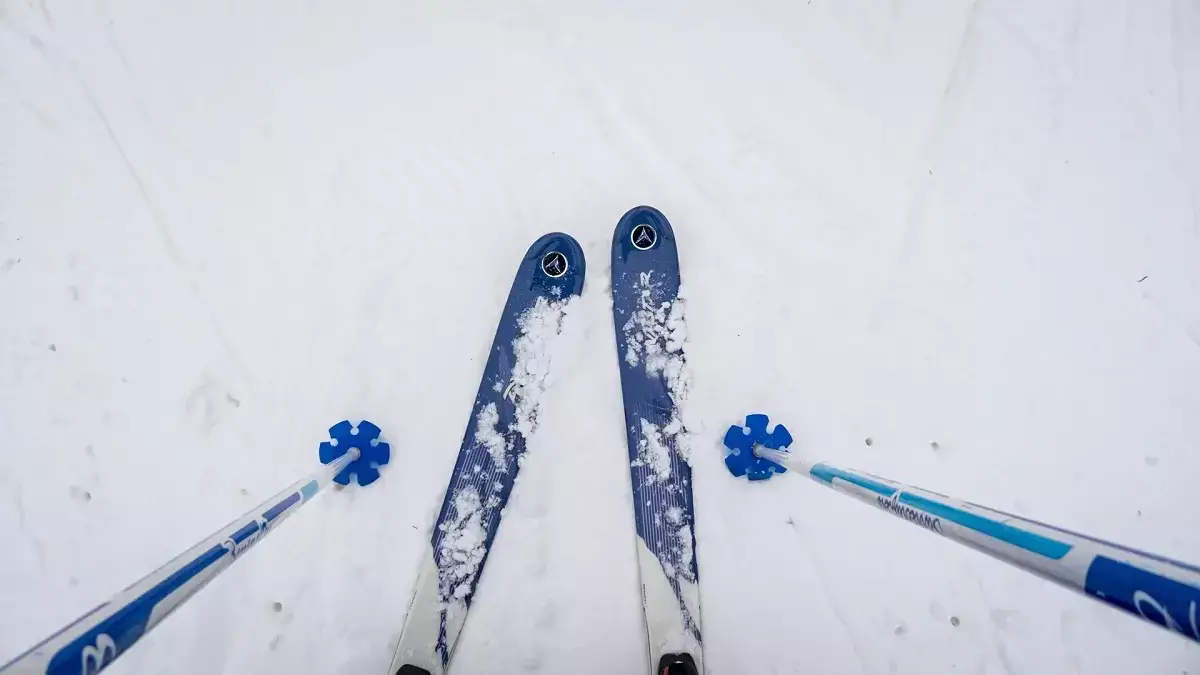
(418, 641)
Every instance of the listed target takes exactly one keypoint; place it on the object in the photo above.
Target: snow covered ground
(225, 226)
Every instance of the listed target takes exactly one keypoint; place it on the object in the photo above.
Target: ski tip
(556, 261)
(374, 452)
(642, 228)
(741, 440)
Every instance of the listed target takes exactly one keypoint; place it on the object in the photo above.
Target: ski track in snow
(964, 231)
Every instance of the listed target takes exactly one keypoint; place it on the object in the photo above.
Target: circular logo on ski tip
(554, 264)
(643, 237)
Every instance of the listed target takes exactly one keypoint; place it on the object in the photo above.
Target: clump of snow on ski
(463, 546)
(490, 438)
(532, 370)
(464, 540)
(656, 335)
(527, 381)
(654, 453)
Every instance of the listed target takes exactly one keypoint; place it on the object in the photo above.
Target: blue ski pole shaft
(1155, 588)
(94, 640)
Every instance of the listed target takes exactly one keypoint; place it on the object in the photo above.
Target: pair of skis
(648, 318)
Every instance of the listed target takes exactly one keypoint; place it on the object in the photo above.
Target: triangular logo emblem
(554, 264)
(643, 237)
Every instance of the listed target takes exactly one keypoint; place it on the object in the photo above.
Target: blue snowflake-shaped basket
(374, 451)
(741, 460)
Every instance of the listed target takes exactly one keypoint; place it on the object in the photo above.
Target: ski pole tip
(374, 452)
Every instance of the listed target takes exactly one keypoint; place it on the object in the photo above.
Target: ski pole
(1155, 588)
(95, 640)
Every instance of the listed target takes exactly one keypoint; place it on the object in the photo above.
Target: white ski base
(665, 628)
(419, 638)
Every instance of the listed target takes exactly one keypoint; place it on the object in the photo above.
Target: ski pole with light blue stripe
(1155, 588)
(97, 638)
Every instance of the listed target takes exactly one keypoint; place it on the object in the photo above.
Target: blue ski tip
(741, 460)
(375, 452)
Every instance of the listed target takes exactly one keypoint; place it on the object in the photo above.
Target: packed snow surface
(952, 243)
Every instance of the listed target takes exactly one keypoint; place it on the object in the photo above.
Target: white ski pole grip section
(1157, 589)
